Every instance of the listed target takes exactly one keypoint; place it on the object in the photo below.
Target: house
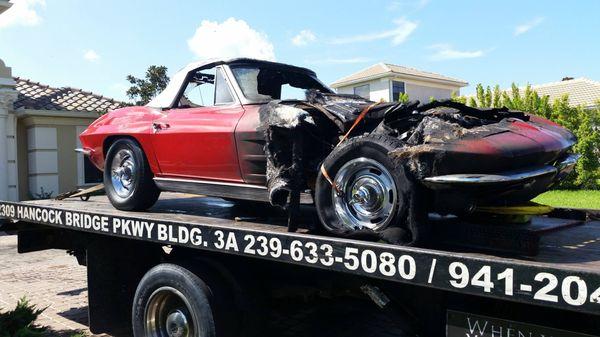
(384, 81)
(4, 5)
(39, 128)
(581, 91)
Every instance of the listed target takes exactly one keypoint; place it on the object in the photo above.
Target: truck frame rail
(564, 275)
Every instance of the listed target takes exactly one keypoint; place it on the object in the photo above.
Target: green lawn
(571, 199)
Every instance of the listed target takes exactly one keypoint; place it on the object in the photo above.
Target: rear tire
(127, 177)
(172, 298)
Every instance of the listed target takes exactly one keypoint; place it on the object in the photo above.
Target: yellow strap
(358, 119)
(331, 182)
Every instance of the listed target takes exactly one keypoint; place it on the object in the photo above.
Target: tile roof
(37, 96)
(384, 69)
(582, 91)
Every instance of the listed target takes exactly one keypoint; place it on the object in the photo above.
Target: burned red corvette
(265, 131)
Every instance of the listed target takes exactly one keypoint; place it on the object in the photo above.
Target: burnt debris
(301, 134)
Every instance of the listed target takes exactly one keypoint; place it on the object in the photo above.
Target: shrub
(584, 123)
(20, 322)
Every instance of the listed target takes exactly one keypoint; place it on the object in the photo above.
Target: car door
(195, 139)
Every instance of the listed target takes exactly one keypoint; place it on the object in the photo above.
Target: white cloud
(398, 35)
(91, 55)
(445, 51)
(340, 60)
(231, 38)
(22, 13)
(521, 29)
(303, 38)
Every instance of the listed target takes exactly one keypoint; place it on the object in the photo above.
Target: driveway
(50, 279)
(53, 280)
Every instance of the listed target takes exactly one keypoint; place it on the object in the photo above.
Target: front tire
(373, 187)
(128, 178)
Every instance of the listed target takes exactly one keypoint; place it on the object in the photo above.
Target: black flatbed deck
(565, 274)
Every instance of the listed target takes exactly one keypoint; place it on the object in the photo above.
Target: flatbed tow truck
(245, 255)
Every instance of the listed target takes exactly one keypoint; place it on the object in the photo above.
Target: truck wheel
(128, 178)
(171, 301)
(372, 186)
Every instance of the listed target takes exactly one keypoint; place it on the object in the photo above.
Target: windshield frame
(246, 100)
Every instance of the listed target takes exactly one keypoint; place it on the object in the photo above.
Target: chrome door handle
(159, 126)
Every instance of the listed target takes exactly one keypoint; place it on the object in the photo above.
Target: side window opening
(262, 83)
(199, 90)
(206, 87)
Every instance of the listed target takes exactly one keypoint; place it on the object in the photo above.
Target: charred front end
(461, 156)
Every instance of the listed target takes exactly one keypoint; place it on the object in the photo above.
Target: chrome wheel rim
(368, 198)
(123, 173)
(168, 314)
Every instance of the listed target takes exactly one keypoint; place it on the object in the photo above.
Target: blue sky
(93, 45)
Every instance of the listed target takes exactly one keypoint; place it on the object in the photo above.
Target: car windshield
(264, 83)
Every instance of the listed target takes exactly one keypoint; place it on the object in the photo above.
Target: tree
(460, 99)
(143, 90)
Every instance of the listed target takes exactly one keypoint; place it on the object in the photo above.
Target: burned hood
(438, 147)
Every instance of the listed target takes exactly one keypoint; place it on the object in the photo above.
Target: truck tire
(373, 187)
(127, 177)
(172, 301)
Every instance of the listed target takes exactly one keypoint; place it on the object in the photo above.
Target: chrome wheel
(168, 314)
(123, 173)
(368, 195)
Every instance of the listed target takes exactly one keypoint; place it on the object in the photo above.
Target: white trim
(7, 81)
(80, 157)
(22, 113)
(399, 75)
(3, 156)
(425, 83)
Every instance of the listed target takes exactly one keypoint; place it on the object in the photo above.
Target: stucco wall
(67, 158)
(424, 93)
(46, 153)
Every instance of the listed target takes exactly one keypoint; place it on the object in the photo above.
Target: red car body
(222, 144)
(199, 143)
